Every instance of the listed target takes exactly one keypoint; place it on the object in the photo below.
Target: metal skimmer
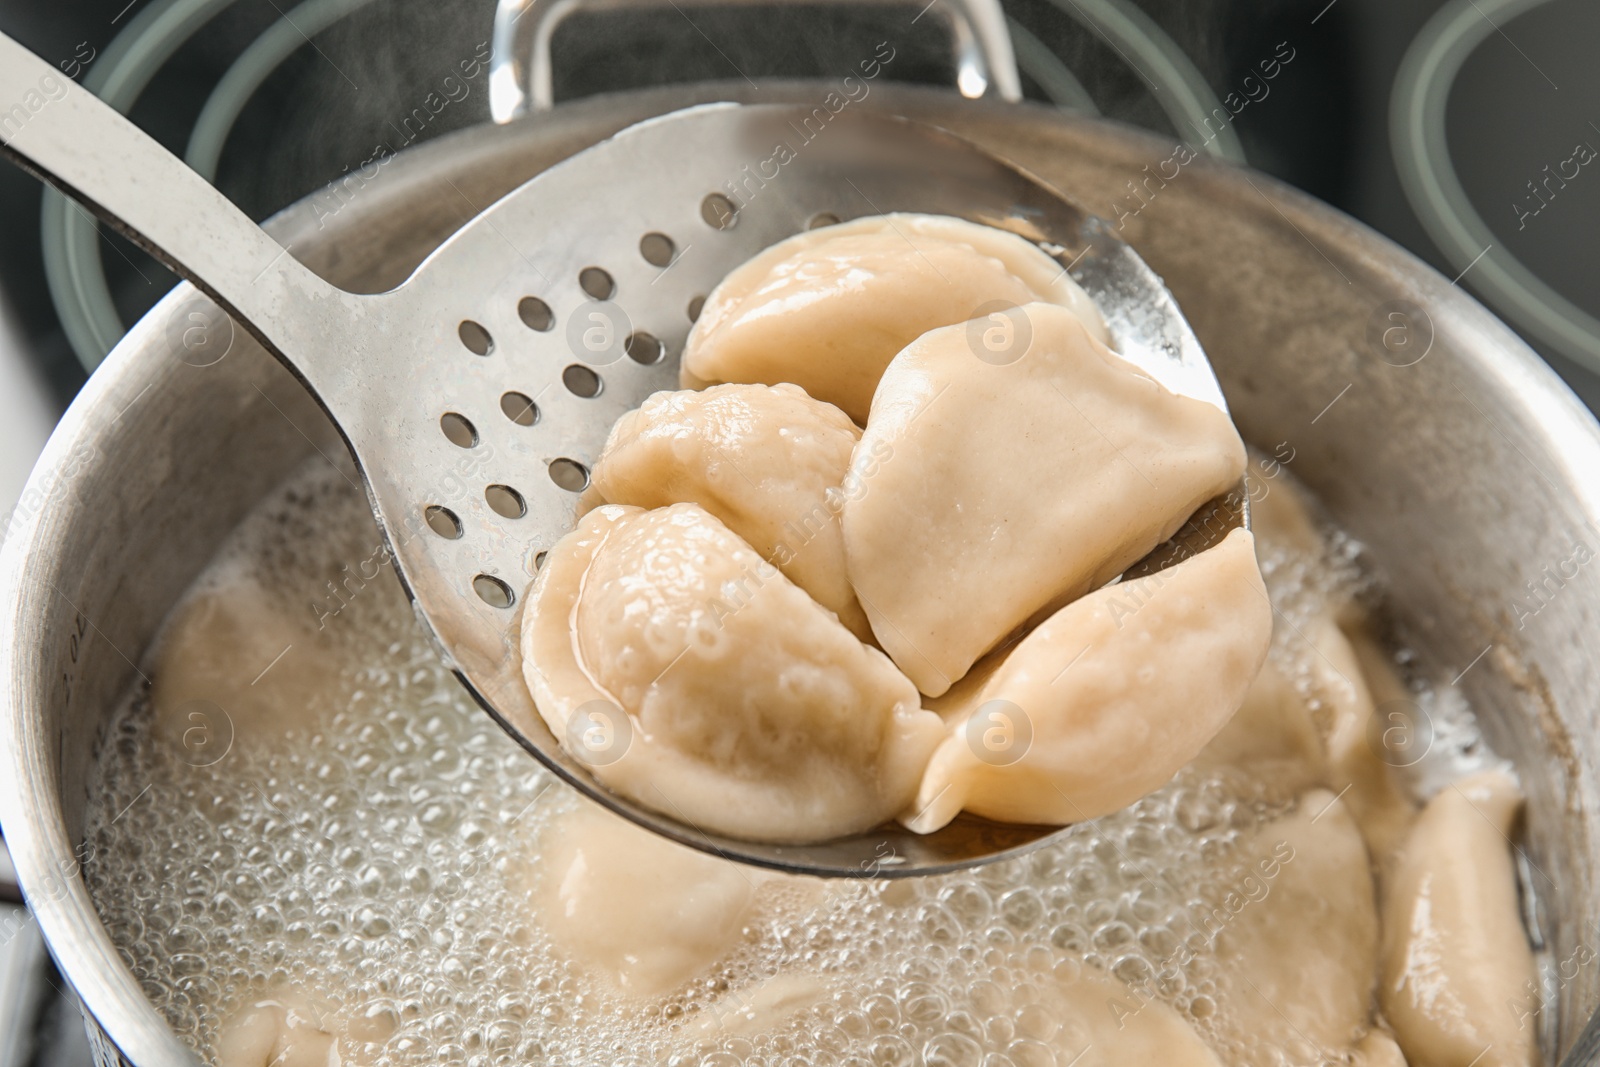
(475, 396)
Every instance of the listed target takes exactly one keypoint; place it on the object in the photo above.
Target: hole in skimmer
(493, 592)
(475, 337)
(459, 429)
(569, 474)
(506, 501)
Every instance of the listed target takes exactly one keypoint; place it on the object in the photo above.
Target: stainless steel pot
(1447, 447)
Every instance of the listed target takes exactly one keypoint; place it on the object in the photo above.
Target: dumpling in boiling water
(1272, 736)
(251, 655)
(1107, 699)
(828, 309)
(1089, 1019)
(1349, 680)
(1378, 1049)
(1344, 680)
(696, 679)
(1030, 1006)
(238, 666)
(276, 1032)
(1297, 937)
(990, 491)
(287, 1029)
(640, 912)
(764, 1008)
(1457, 983)
(766, 460)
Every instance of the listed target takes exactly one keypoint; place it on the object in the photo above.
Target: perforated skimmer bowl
(476, 395)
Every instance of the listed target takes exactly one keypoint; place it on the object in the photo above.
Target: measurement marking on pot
(273, 664)
(97, 630)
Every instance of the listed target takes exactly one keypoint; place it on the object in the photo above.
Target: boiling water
(377, 865)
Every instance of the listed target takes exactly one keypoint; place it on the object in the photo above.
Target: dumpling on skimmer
(828, 309)
(1010, 479)
(696, 679)
(1106, 700)
(766, 460)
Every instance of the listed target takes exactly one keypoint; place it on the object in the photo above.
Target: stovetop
(1306, 92)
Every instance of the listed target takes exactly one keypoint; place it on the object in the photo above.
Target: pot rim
(31, 809)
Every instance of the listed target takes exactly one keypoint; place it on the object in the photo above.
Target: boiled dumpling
(1375, 797)
(1090, 1019)
(766, 460)
(237, 668)
(1378, 1049)
(642, 913)
(248, 659)
(726, 697)
(276, 1032)
(1281, 517)
(1295, 961)
(828, 309)
(286, 1029)
(1108, 698)
(1350, 679)
(748, 1012)
(990, 492)
(1272, 735)
(1457, 969)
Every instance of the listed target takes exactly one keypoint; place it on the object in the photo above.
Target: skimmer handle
(53, 127)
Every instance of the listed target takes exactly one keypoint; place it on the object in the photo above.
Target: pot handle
(519, 73)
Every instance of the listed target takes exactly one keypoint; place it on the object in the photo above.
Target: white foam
(371, 866)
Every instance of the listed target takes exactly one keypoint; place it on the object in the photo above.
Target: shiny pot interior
(1450, 451)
